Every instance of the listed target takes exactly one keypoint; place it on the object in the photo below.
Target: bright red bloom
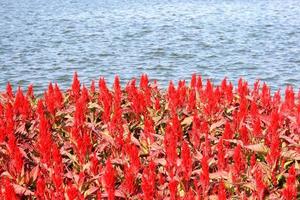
(221, 191)
(148, 182)
(239, 164)
(290, 190)
(40, 187)
(29, 93)
(9, 91)
(260, 185)
(187, 162)
(76, 86)
(204, 177)
(173, 188)
(129, 182)
(9, 192)
(109, 179)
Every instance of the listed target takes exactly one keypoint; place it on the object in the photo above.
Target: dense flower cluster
(191, 141)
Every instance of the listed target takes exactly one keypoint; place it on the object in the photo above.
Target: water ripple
(44, 41)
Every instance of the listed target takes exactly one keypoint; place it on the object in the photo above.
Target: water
(42, 41)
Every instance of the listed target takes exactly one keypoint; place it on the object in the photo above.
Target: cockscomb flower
(173, 98)
(75, 86)
(136, 98)
(243, 109)
(57, 166)
(224, 84)
(79, 115)
(290, 190)
(265, 96)
(117, 92)
(239, 164)
(58, 97)
(255, 91)
(176, 127)
(45, 140)
(260, 185)
(242, 89)
(274, 153)
(191, 100)
(144, 85)
(193, 81)
(105, 99)
(289, 101)
(244, 135)
(170, 143)
(221, 191)
(182, 92)
(199, 84)
(228, 133)
(73, 193)
(187, 162)
(276, 98)
(9, 91)
(204, 177)
(40, 187)
(94, 164)
(9, 192)
(133, 153)
(83, 145)
(30, 93)
(144, 82)
(21, 105)
(109, 179)
(148, 182)
(195, 132)
(173, 188)
(257, 131)
(129, 180)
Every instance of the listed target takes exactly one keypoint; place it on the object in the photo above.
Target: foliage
(196, 141)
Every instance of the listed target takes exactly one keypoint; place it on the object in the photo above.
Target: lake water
(42, 41)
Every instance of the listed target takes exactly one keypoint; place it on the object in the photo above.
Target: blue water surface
(43, 41)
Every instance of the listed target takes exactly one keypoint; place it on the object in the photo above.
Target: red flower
(290, 190)
(148, 182)
(76, 86)
(222, 191)
(244, 135)
(187, 162)
(9, 91)
(129, 180)
(29, 93)
(40, 187)
(204, 177)
(9, 193)
(109, 179)
(239, 164)
(260, 185)
(173, 188)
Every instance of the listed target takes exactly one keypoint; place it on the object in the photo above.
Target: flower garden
(195, 140)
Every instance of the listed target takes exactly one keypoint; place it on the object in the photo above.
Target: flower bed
(192, 141)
